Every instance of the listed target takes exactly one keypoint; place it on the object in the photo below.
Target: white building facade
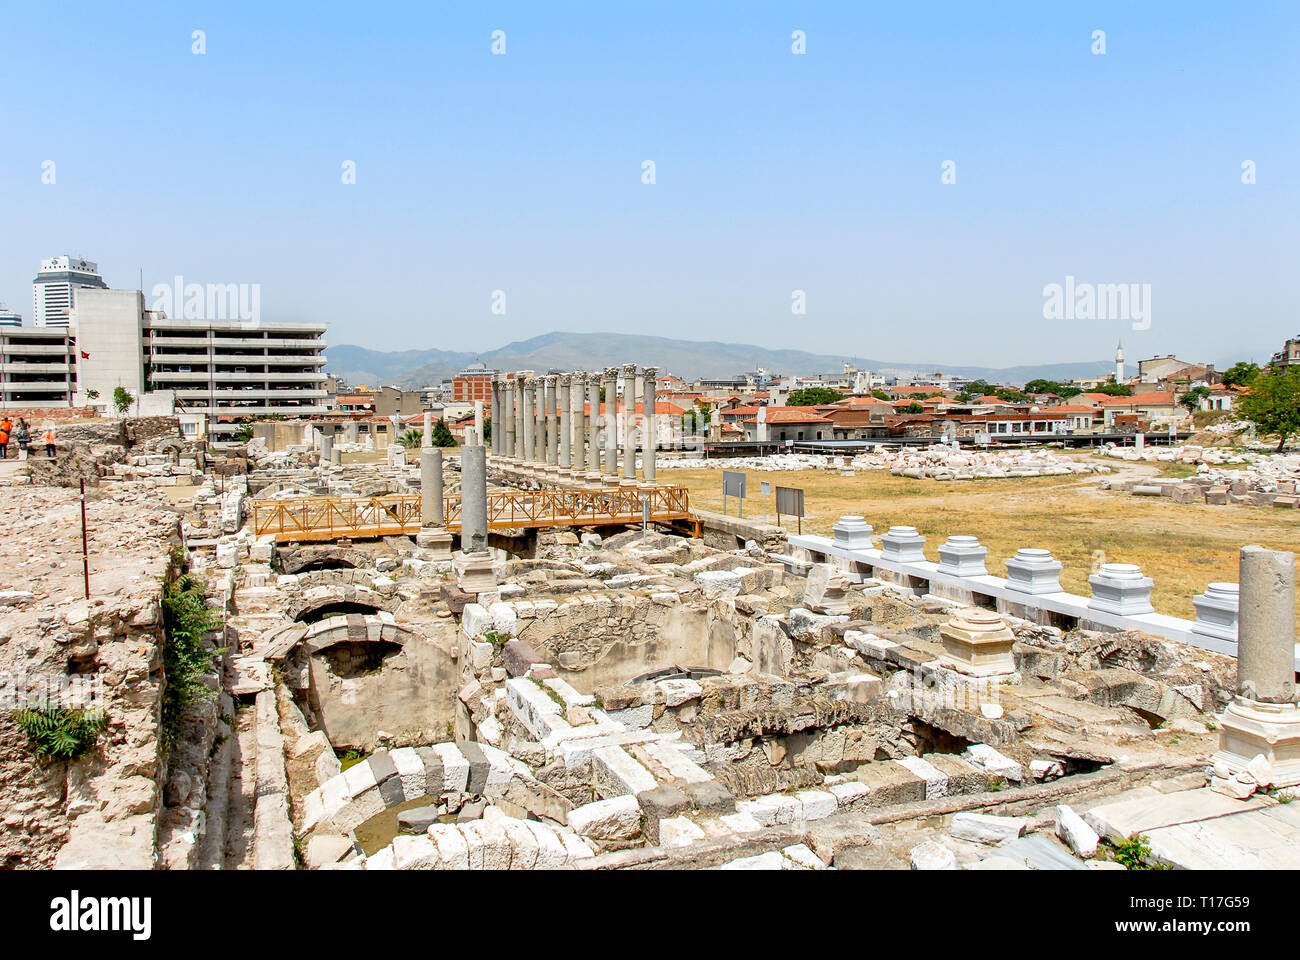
(55, 288)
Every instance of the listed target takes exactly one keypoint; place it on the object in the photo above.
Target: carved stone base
(474, 573)
(1249, 728)
(436, 540)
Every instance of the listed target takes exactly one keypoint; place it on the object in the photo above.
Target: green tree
(1114, 389)
(411, 439)
(1273, 404)
(442, 436)
(912, 407)
(1193, 397)
(814, 396)
(881, 395)
(1241, 374)
(122, 400)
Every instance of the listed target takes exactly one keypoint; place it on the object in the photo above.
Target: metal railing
(330, 518)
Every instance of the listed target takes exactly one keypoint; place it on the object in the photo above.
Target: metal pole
(85, 555)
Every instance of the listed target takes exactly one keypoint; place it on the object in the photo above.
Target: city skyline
(775, 172)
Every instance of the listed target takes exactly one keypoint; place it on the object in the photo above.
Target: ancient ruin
(531, 653)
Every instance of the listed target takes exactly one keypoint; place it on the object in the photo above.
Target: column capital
(629, 369)
(611, 373)
(652, 373)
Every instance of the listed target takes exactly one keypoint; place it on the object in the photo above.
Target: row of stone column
(544, 420)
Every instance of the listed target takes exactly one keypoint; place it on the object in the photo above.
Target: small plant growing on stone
(1133, 853)
(496, 639)
(59, 733)
(996, 784)
(350, 758)
(1284, 796)
(186, 656)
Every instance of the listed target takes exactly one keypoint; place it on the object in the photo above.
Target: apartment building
(37, 367)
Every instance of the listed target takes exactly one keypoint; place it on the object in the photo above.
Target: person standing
(23, 437)
(49, 443)
(4, 442)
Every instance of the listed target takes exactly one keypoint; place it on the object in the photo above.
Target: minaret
(1119, 363)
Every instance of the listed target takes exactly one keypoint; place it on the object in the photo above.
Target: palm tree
(411, 439)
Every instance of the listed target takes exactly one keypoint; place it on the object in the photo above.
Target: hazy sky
(774, 172)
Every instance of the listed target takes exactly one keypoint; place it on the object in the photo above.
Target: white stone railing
(1121, 596)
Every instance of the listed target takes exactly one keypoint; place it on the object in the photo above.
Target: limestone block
(616, 819)
(453, 848)
(984, 828)
(932, 856)
(986, 758)
(523, 844)
(455, 768)
(415, 853)
(679, 691)
(679, 832)
(1075, 832)
(817, 804)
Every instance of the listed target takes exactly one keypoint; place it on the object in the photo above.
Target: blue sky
(774, 172)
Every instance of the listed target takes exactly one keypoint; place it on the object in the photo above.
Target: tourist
(24, 438)
(49, 443)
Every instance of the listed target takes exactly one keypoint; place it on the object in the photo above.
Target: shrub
(186, 655)
(60, 733)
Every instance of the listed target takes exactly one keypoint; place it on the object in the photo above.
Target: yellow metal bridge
(332, 518)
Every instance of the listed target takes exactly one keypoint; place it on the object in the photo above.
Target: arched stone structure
(315, 599)
(296, 559)
(367, 675)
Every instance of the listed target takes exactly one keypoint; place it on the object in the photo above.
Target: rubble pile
(937, 462)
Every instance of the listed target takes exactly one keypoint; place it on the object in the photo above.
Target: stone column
(552, 434)
(473, 564)
(1259, 738)
(478, 423)
(566, 421)
(505, 417)
(426, 439)
(651, 424)
(520, 429)
(629, 421)
(593, 424)
(610, 385)
(528, 420)
(495, 390)
(431, 490)
(577, 388)
(1266, 626)
(473, 499)
(539, 421)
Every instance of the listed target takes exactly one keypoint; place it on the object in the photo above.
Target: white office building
(10, 318)
(54, 291)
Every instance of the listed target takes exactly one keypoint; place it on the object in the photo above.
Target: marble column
(539, 422)
(528, 419)
(651, 424)
(427, 439)
(593, 424)
(629, 421)
(552, 446)
(431, 488)
(566, 421)
(1262, 720)
(473, 564)
(577, 388)
(610, 385)
(520, 430)
(478, 423)
(507, 419)
(495, 414)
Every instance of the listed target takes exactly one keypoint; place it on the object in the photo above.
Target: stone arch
(368, 676)
(307, 607)
(295, 560)
(312, 579)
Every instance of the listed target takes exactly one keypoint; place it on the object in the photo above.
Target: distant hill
(688, 359)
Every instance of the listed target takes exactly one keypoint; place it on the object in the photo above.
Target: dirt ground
(1182, 546)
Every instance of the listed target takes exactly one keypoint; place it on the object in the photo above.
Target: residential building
(473, 383)
(10, 318)
(54, 290)
(1288, 356)
(37, 367)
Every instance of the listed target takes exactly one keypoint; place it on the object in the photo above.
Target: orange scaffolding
(332, 518)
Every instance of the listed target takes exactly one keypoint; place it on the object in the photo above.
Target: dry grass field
(1182, 546)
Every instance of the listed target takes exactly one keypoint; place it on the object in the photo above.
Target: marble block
(962, 556)
(903, 544)
(1034, 571)
(1121, 589)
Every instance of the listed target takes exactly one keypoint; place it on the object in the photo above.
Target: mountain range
(688, 359)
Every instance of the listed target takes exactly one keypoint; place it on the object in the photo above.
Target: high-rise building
(10, 318)
(54, 291)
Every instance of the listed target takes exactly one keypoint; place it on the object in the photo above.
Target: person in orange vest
(49, 443)
(4, 442)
